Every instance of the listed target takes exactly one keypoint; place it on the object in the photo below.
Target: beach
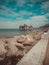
(12, 49)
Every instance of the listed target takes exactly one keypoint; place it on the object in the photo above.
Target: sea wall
(36, 55)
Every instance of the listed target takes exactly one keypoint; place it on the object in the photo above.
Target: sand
(17, 46)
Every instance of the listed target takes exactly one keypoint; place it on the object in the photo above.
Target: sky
(14, 13)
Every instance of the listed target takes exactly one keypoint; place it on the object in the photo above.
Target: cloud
(21, 2)
(7, 25)
(29, 8)
(5, 19)
(34, 1)
(1, 18)
(47, 15)
(14, 24)
(24, 12)
(35, 21)
(9, 12)
(6, 13)
(30, 5)
(45, 5)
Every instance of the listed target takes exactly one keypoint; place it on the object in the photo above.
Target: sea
(12, 32)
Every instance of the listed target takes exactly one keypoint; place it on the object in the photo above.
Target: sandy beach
(17, 47)
(14, 48)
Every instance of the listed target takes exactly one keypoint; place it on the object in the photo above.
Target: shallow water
(12, 32)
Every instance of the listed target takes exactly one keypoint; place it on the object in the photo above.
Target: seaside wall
(36, 55)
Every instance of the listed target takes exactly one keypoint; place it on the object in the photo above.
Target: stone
(21, 39)
(27, 43)
(38, 35)
(30, 38)
(5, 40)
(17, 44)
(36, 55)
(21, 52)
(12, 50)
(2, 50)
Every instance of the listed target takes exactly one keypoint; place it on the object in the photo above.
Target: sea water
(12, 32)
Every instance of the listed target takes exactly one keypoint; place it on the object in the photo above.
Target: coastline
(17, 46)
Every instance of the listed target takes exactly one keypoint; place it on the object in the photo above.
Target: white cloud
(5, 19)
(8, 25)
(30, 5)
(14, 24)
(35, 21)
(24, 12)
(34, 1)
(20, 2)
(47, 15)
(6, 13)
(45, 5)
(9, 10)
(38, 21)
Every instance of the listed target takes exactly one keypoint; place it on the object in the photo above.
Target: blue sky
(17, 12)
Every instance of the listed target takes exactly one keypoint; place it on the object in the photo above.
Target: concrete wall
(36, 55)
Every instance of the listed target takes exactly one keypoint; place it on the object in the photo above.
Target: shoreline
(17, 46)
